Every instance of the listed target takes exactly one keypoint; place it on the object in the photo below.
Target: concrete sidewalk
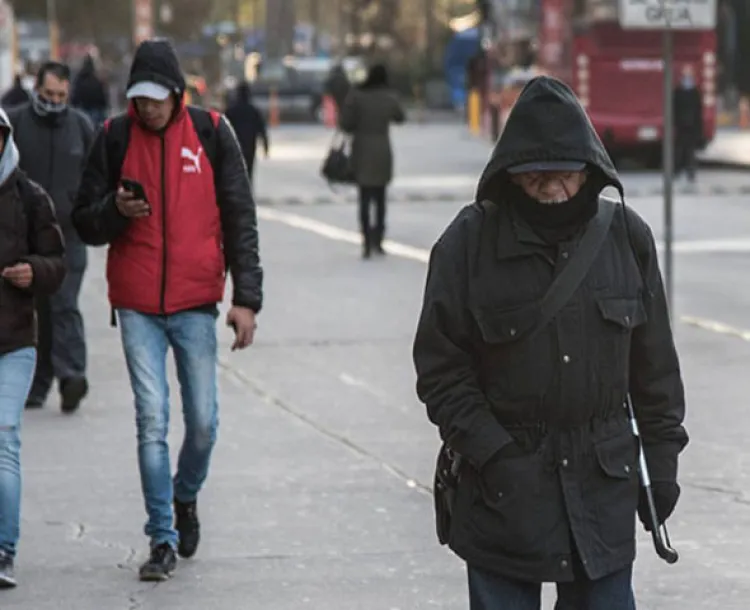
(730, 148)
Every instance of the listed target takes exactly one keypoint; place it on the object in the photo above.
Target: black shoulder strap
(564, 286)
(205, 125)
(117, 137)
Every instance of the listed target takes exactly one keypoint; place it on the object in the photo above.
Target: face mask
(688, 82)
(44, 107)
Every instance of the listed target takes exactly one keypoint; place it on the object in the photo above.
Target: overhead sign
(668, 14)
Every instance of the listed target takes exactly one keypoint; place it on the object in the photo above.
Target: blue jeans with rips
(16, 375)
(146, 340)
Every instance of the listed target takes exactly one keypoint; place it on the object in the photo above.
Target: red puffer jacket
(173, 259)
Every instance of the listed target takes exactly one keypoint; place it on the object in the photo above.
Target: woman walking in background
(367, 115)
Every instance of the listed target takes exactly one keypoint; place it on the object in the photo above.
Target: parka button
(565, 255)
(627, 320)
(564, 564)
(564, 463)
(566, 359)
(513, 332)
(627, 468)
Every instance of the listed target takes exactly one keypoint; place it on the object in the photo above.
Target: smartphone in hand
(136, 189)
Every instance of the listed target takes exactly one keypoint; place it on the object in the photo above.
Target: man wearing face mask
(531, 396)
(53, 140)
(688, 123)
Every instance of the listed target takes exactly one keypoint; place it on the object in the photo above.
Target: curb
(406, 198)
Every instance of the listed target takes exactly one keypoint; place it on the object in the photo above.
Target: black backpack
(117, 130)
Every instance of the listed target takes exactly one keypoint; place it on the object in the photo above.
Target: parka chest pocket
(511, 359)
(619, 318)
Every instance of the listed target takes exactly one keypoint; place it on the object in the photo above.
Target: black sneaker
(34, 403)
(7, 575)
(72, 392)
(160, 564)
(188, 526)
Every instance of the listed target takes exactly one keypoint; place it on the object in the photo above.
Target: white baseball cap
(148, 89)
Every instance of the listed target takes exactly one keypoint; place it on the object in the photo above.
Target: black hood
(547, 123)
(156, 61)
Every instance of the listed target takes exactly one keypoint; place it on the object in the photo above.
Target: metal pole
(668, 161)
(54, 35)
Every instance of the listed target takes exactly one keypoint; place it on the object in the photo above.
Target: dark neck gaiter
(557, 222)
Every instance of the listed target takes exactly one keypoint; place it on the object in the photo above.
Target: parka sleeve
(46, 246)
(95, 215)
(447, 381)
(656, 386)
(239, 222)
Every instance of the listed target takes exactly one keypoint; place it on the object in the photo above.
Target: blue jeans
(16, 374)
(492, 592)
(146, 340)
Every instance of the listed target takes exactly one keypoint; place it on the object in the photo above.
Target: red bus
(616, 73)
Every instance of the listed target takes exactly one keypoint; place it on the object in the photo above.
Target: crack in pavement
(137, 599)
(82, 534)
(272, 400)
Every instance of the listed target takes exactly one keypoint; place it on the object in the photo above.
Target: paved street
(317, 494)
(441, 162)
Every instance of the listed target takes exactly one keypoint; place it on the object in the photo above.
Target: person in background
(248, 124)
(337, 85)
(16, 95)
(367, 115)
(53, 140)
(688, 123)
(89, 94)
(31, 264)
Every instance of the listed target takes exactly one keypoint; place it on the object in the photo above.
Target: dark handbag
(448, 469)
(337, 167)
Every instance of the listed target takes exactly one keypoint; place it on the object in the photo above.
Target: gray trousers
(62, 342)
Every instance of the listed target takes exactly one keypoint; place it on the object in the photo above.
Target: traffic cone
(273, 109)
(744, 108)
(329, 111)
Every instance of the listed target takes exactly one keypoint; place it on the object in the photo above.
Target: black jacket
(88, 92)
(248, 124)
(688, 113)
(53, 154)
(559, 394)
(30, 233)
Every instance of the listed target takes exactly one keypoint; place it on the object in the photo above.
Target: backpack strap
(206, 124)
(117, 137)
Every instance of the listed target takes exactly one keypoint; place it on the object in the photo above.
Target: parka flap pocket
(626, 313)
(499, 326)
(617, 455)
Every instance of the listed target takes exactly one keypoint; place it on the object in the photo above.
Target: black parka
(559, 394)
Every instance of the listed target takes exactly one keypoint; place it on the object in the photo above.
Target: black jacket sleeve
(95, 215)
(46, 246)
(447, 381)
(656, 386)
(239, 221)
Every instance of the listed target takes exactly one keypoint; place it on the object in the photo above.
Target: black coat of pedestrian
(16, 95)
(89, 93)
(688, 114)
(248, 123)
(568, 497)
(337, 85)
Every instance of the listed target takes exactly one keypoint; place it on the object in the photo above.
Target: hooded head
(156, 83)
(243, 94)
(9, 156)
(87, 67)
(376, 77)
(547, 131)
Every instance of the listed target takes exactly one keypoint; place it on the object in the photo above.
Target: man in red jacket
(171, 237)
